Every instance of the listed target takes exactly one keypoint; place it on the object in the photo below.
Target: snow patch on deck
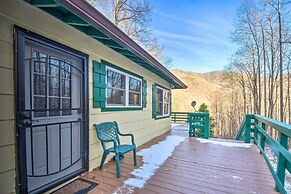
(225, 143)
(153, 157)
(180, 126)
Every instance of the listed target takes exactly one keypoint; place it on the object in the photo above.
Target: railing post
(263, 138)
(248, 128)
(281, 164)
(256, 131)
(190, 125)
(206, 126)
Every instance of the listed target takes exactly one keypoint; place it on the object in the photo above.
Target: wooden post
(248, 128)
(281, 164)
(206, 126)
(190, 124)
(256, 131)
(263, 138)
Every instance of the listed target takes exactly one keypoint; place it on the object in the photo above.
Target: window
(56, 74)
(161, 102)
(122, 89)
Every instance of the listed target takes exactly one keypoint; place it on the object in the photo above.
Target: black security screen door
(52, 112)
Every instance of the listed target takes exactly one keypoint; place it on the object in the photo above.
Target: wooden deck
(194, 167)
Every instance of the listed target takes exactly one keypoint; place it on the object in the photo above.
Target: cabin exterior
(63, 68)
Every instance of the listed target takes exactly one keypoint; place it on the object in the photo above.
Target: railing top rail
(180, 112)
(277, 125)
(199, 113)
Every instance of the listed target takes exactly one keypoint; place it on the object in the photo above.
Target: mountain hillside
(201, 88)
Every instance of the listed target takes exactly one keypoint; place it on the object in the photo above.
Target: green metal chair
(109, 132)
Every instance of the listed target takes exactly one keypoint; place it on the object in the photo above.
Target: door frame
(20, 35)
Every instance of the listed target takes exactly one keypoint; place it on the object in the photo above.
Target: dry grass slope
(202, 87)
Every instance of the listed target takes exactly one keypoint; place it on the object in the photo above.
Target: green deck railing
(254, 128)
(180, 117)
(198, 122)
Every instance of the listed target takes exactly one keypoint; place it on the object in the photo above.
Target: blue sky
(195, 33)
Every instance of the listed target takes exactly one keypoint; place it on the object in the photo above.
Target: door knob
(27, 122)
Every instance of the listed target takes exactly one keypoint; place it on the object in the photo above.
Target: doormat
(78, 186)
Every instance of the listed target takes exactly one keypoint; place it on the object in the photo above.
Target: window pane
(39, 62)
(159, 109)
(66, 88)
(134, 84)
(115, 97)
(39, 84)
(166, 97)
(66, 70)
(166, 109)
(115, 80)
(54, 67)
(54, 86)
(54, 103)
(39, 103)
(159, 95)
(134, 99)
(66, 103)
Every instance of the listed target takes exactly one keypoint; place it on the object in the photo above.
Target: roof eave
(90, 16)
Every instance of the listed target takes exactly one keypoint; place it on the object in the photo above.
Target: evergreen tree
(204, 108)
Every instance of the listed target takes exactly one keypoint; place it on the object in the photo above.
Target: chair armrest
(128, 134)
(108, 141)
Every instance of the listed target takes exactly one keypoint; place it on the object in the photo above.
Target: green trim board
(144, 93)
(154, 101)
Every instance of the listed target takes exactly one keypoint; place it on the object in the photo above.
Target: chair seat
(122, 148)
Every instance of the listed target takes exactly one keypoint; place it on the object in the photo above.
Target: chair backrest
(107, 131)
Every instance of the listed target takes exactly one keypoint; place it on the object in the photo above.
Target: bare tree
(134, 18)
(260, 68)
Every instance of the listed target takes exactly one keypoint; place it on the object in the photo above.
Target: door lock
(25, 118)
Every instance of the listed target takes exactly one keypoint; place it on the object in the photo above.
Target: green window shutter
(154, 101)
(144, 93)
(99, 85)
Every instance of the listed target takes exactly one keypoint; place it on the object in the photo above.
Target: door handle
(27, 122)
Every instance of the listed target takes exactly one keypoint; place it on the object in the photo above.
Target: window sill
(162, 117)
(113, 109)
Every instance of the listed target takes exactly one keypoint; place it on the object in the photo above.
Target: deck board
(194, 167)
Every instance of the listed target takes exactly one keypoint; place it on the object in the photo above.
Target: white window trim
(126, 89)
(164, 90)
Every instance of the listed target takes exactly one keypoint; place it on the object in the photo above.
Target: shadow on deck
(193, 167)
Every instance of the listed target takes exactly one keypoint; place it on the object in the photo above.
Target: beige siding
(7, 159)
(7, 132)
(16, 12)
(7, 181)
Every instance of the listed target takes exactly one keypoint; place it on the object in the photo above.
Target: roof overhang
(84, 17)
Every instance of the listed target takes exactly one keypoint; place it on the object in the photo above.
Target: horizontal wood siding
(140, 122)
(7, 120)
